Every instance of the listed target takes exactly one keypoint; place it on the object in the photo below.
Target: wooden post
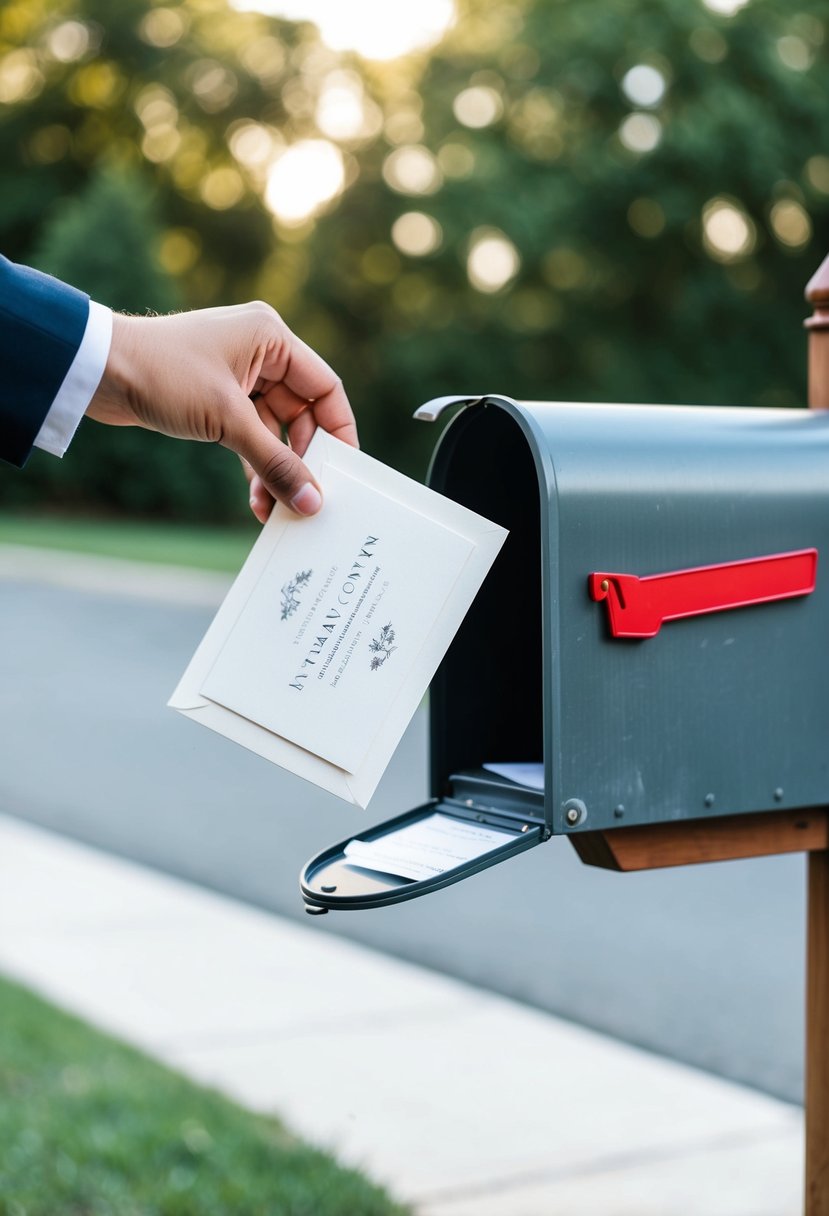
(817, 293)
(817, 954)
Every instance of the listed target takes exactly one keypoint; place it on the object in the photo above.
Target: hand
(235, 376)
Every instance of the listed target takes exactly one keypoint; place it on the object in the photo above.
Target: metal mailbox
(655, 631)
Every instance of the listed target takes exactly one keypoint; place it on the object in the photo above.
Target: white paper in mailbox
(333, 629)
(426, 848)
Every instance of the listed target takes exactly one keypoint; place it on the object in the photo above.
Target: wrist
(116, 396)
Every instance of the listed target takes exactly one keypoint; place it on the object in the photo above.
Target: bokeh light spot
(817, 173)
(727, 8)
(536, 122)
(412, 170)
(305, 177)
(375, 29)
(416, 234)
(640, 132)
(644, 86)
(404, 125)
(162, 27)
(264, 58)
(179, 249)
(790, 223)
(222, 188)
(156, 106)
(343, 110)
(251, 143)
(68, 41)
(478, 106)
(160, 142)
(794, 53)
(187, 168)
(20, 76)
(493, 260)
(728, 232)
(213, 85)
(97, 85)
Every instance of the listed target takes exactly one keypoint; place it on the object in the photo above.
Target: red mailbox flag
(638, 606)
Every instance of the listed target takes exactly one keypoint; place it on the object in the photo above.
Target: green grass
(171, 544)
(89, 1127)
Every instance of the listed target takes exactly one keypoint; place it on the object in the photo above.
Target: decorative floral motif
(382, 647)
(290, 597)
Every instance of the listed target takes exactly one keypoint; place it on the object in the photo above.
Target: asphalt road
(703, 964)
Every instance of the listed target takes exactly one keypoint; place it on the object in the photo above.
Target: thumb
(282, 472)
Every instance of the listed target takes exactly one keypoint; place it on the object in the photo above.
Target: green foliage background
(618, 294)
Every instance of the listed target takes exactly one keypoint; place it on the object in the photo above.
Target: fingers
(261, 502)
(282, 473)
(304, 371)
(307, 378)
(332, 413)
(301, 431)
(295, 388)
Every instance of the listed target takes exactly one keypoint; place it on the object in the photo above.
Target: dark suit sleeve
(42, 323)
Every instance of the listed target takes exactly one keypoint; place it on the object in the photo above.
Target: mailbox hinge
(492, 816)
(475, 795)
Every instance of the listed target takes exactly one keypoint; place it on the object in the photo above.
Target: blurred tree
(105, 242)
(586, 199)
(118, 125)
(166, 91)
(605, 199)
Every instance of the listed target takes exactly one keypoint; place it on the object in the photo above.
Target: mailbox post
(817, 955)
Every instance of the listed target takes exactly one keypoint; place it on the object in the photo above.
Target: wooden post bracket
(725, 838)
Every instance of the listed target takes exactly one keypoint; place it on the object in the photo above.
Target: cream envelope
(301, 663)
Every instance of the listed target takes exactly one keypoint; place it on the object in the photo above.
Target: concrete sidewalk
(462, 1103)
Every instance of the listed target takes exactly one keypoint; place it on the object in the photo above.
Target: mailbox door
(486, 818)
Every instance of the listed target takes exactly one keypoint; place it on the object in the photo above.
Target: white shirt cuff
(79, 384)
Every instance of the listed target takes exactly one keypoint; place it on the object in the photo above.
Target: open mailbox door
(483, 821)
